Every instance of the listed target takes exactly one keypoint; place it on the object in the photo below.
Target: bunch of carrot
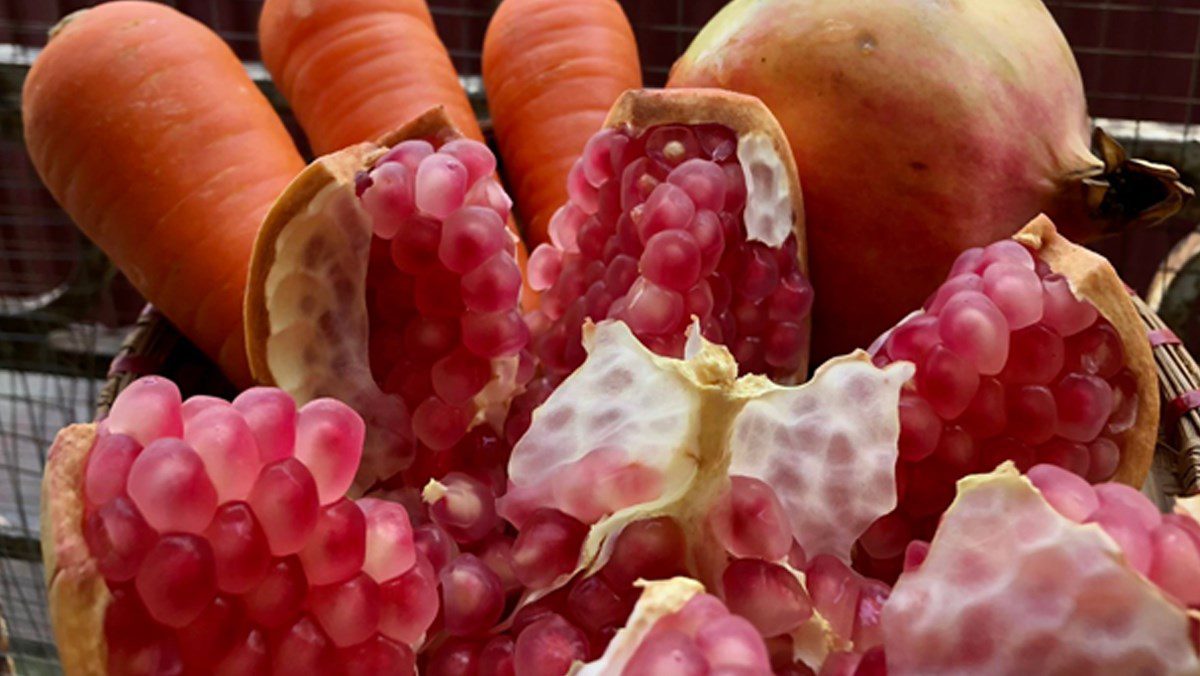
(147, 130)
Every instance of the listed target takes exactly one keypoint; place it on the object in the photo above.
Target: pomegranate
(921, 129)
(214, 537)
(385, 276)
(1044, 574)
(1031, 351)
(685, 207)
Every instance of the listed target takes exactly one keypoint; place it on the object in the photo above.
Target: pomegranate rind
(1092, 278)
(983, 569)
(758, 133)
(77, 594)
(307, 324)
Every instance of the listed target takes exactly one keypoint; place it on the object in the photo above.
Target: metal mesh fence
(63, 309)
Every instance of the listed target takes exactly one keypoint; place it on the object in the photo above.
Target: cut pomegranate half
(214, 537)
(685, 207)
(1031, 351)
(385, 276)
(1046, 574)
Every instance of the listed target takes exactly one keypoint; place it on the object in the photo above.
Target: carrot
(147, 130)
(354, 70)
(552, 69)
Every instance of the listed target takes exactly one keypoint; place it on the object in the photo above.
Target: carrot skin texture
(552, 69)
(354, 70)
(147, 130)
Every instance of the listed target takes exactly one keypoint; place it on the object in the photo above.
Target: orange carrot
(147, 130)
(552, 69)
(354, 70)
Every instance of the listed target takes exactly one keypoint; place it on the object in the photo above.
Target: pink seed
(671, 260)
(347, 611)
(564, 227)
(596, 159)
(496, 658)
(749, 521)
(108, 466)
(544, 267)
(284, 500)
(735, 187)
(920, 428)
(887, 537)
(637, 183)
(475, 156)
(1175, 566)
(211, 635)
(947, 381)
(431, 542)
(427, 337)
(1017, 291)
(951, 288)
(581, 192)
(378, 656)
(706, 229)
(1096, 351)
(148, 409)
(547, 547)
(176, 580)
(792, 300)
(671, 144)
(548, 647)
(667, 652)
(767, 595)
(240, 551)
(472, 597)
(698, 301)
(495, 334)
(329, 441)
(699, 610)
(408, 153)
(653, 309)
(439, 425)
(1068, 455)
(195, 404)
(1032, 414)
(966, 262)
(1005, 251)
(912, 339)
(336, 548)
(835, 593)
(278, 599)
(1066, 492)
(594, 606)
(409, 603)
(718, 141)
(271, 415)
(487, 193)
(441, 184)
(621, 273)
(733, 645)
(223, 440)
(1130, 501)
(1104, 457)
(496, 552)
(1064, 313)
(785, 345)
(602, 482)
(1036, 356)
(758, 273)
(703, 181)
(438, 294)
(118, 539)
(1084, 403)
(414, 249)
(467, 510)
(1125, 403)
(455, 657)
(470, 236)
(459, 376)
(389, 199)
(389, 551)
(987, 414)
(667, 208)
(168, 484)
(974, 328)
(493, 286)
(1126, 528)
(652, 549)
(248, 656)
(303, 647)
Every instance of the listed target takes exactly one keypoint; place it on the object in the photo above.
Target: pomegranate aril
(956, 451)
(488, 193)
(651, 549)
(1036, 356)
(430, 337)
(441, 184)
(492, 286)
(438, 294)
(378, 656)
(912, 339)
(455, 657)
(671, 144)
(1175, 564)
(465, 509)
(732, 646)
(593, 605)
(168, 483)
(548, 647)
(758, 272)
(497, 658)
(475, 156)
(459, 376)
(284, 500)
(336, 548)
(414, 249)
(118, 539)
(389, 198)
(440, 425)
(703, 181)
(1004, 251)
(1084, 403)
(1063, 312)
(279, 597)
(1017, 291)
(431, 542)
(769, 596)
(329, 441)
(667, 652)
(947, 382)
(1069, 455)
(667, 208)
(211, 635)
(408, 153)
(1066, 492)
(1103, 458)
(409, 603)
(580, 191)
(248, 657)
(1125, 403)
(108, 466)
(887, 537)
(920, 427)
(224, 442)
(177, 580)
(239, 547)
(973, 327)
(389, 549)
(749, 521)
(494, 334)
(271, 416)
(602, 482)
(671, 259)
(951, 288)
(148, 409)
(472, 597)
(303, 647)
(1032, 414)
(470, 236)
(564, 227)
(347, 611)
(547, 547)
(653, 309)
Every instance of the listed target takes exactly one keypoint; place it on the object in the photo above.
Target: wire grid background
(63, 309)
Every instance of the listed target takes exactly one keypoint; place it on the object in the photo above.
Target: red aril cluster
(1011, 365)
(223, 532)
(653, 235)
(443, 283)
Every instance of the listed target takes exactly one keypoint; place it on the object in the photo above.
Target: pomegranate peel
(1011, 584)
(77, 594)
(335, 307)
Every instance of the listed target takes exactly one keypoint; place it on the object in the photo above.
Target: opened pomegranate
(1031, 351)
(1047, 574)
(385, 276)
(213, 537)
(684, 208)
(921, 129)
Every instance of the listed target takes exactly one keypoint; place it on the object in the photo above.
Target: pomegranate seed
(168, 484)
(547, 547)
(548, 647)
(770, 597)
(148, 409)
(348, 611)
(284, 500)
(108, 466)
(176, 580)
(472, 597)
(271, 416)
(240, 550)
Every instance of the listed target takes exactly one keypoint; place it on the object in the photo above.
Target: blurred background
(64, 310)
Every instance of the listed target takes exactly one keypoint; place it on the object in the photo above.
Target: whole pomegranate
(921, 129)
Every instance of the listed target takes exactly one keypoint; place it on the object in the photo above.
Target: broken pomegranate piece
(1047, 574)
(1031, 351)
(685, 207)
(210, 537)
(386, 276)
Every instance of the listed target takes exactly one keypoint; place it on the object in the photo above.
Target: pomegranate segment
(263, 574)
(1018, 579)
(1011, 364)
(662, 229)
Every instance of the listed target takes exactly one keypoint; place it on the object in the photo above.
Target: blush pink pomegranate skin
(921, 129)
